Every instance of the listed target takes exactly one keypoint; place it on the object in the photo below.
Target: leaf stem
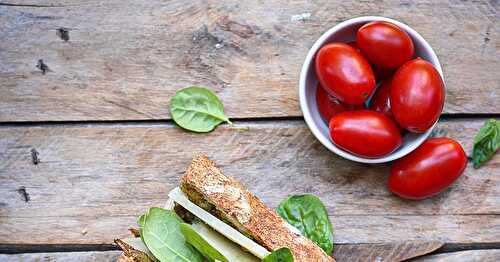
(223, 118)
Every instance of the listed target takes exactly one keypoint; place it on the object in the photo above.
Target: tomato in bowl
(346, 32)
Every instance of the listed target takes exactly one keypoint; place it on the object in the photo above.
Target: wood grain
(358, 252)
(94, 180)
(492, 255)
(125, 59)
(109, 256)
(384, 252)
(102, 256)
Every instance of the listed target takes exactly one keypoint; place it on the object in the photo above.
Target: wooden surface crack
(29, 5)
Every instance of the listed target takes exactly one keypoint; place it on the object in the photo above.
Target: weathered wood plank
(359, 252)
(94, 180)
(125, 59)
(492, 255)
(384, 252)
(103, 256)
(112, 256)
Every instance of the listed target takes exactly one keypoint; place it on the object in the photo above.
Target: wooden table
(87, 143)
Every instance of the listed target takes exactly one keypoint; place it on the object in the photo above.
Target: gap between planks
(28, 5)
(44, 248)
(170, 122)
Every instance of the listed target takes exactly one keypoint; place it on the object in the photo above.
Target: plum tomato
(344, 73)
(354, 45)
(417, 95)
(380, 101)
(382, 73)
(428, 170)
(385, 44)
(328, 106)
(365, 133)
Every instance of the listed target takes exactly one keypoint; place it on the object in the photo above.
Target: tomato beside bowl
(428, 170)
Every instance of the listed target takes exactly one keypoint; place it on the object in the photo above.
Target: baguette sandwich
(234, 221)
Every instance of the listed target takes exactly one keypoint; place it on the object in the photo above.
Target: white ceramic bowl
(346, 32)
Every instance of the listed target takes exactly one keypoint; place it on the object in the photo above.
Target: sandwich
(225, 222)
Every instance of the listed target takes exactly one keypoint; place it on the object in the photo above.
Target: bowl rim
(302, 89)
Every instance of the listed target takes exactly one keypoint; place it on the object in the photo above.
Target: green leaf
(229, 250)
(197, 109)
(280, 255)
(162, 236)
(486, 142)
(198, 242)
(308, 214)
(140, 221)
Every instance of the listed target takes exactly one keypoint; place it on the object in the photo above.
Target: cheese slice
(229, 232)
(230, 250)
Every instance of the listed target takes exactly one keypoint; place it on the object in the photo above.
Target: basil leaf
(163, 237)
(486, 142)
(280, 255)
(197, 109)
(308, 214)
(198, 242)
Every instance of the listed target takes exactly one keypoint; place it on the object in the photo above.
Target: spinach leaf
(198, 242)
(197, 109)
(280, 255)
(162, 236)
(486, 142)
(141, 226)
(308, 214)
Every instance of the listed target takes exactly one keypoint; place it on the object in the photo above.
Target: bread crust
(226, 198)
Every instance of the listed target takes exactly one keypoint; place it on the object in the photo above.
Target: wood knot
(63, 33)
(24, 194)
(42, 66)
(34, 156)
(239, 29)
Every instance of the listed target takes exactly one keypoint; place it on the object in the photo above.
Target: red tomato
(354, 45)
(381, 100)
(385, 44)
(365, 133)
(428, 170)
(344, 73)
(417, 95)
(328, 106)
(382, 73)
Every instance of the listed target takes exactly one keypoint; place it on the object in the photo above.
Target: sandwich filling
(229, 201)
